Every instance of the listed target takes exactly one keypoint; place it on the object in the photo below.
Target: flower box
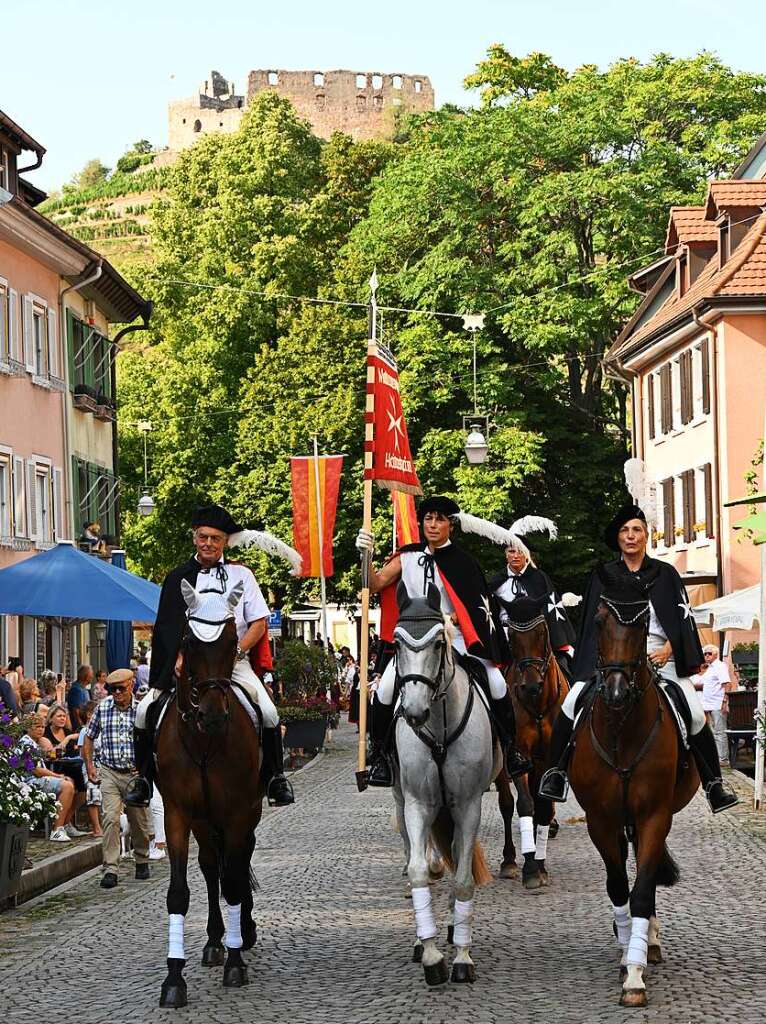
(307, 734)
(13, 848)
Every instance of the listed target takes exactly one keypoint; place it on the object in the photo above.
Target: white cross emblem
(484, 607)
(685, 607)
(395, 424)
(555, 606)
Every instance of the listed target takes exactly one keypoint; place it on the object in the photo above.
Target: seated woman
(31, 698)
(61, 746)
(47, 780)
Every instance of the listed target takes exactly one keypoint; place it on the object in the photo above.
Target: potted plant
(22, 807)
(305, 673)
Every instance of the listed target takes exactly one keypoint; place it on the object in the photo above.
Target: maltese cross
(555, 606)
(484, 607)
(395, 424)
(685, 607)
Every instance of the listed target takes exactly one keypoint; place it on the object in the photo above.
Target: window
(688, 505)
(5, 497)
(197, 125)
(418, 85)
(666, 399)
(90, 357)
(377, 81)
(396, 81)
(43, 525)
(5, 169)
(361, 81)
(650, 413)
(321, 101)
(668, 513)
(94, 497)
(687, 386)
(273, 78)
(723, 242)
(377, 102)
(318, 79)
(40, 342)
(361, 103)
(707, 476)
(5, 326)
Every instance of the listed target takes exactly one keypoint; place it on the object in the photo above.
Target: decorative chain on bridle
(540, 665)
(627, 613)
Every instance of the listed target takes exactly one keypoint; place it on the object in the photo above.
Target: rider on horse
(673, 648)
(465, 597)
(520, 577)
(209, 572)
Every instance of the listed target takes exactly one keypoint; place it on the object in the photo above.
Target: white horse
(446, 762)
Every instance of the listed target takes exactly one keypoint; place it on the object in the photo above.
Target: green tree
(92, 174)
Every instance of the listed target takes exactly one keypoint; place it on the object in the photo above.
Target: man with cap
(465, 597)
(673, 646)
(209, 571)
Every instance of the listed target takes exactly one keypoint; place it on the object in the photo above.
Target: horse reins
(539, 665)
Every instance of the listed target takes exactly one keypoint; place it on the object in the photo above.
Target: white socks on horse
(541, 849)
(622, 922)
(462, 922)
(176, 937)
(233, 937)
(639, 942)
(425, 925)
(527, 830)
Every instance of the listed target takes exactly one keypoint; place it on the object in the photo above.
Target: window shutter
(687, 393)
(13, 326)
(28, 334)
(687, 493)
(650, 404)
(666, 388)
(76, 524)
(31, 502)
(70, 347)
(58, 503)
(19, 494)
(53, 347)
(668, 510)
(705, 362)
(707, 470)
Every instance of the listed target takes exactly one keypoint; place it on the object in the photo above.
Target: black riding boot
(706, 758)
(380, 773)
(554, 784)
(515, 762)
(279, 792)
(565, 664)
(139, 790)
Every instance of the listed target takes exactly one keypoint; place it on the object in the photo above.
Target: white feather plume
(269, 543)
(570, 600)
(635, 478)
(535, 524)
(497, 534)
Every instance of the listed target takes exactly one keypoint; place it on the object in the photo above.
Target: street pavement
(336, 929)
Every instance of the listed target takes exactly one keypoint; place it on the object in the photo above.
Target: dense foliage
(533, 208)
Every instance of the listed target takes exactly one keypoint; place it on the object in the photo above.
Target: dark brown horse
(538, 687)
(209, 774)
(630, 775)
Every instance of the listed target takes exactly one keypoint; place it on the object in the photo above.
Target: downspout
(31, 167)
(714, 405)
(65, 402)
(113, 373)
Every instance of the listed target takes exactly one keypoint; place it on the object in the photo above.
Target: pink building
(58, 299)
(695, 356)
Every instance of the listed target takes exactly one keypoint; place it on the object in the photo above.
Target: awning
(732, 611)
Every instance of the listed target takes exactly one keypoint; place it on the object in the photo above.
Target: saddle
(477, 675)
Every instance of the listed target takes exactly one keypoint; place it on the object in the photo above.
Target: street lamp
(146, 501)
(476, 426)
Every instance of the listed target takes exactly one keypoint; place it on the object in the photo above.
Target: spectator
(48, 684)
(78, 696)
(30, 697)
(47, 780)
(113, 722)
(715, 683)
(7, 693)
(98, 690)
(61, 744)
(142, 673)
(15, 676)
(92, 790)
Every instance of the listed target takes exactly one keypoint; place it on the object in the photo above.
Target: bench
(740, 723)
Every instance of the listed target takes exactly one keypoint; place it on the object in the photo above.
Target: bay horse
(630, 775)
(537, 686)
(209, 773)
(446, 760)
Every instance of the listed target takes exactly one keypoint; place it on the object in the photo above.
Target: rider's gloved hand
(365, 542)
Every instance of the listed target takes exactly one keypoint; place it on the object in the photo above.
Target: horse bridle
(433, 684)
(630, 669)
(540, 665)
(198, 688)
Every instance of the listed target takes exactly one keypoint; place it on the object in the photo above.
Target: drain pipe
(94, 276)
(130, 329)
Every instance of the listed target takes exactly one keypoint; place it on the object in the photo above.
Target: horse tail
(668, 872)
(442, 831)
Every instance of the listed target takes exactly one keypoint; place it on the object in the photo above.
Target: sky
(89, 77)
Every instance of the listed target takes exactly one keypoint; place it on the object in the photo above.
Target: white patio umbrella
(738, 610)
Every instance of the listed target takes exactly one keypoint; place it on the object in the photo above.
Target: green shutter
(77, 525)
(70, 346)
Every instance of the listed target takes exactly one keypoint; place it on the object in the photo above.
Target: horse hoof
(234, 976)
(654, 955)
(417, 954)
(173, 996)
(463, 974)
(510, 870)
(553, 829)
(436, 974)
(249, 938)
(451, 934)
(633, 997)
(623, 972)
(213, 956)
(533, 883)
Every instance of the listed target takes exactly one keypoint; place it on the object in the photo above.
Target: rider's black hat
(626, 513)
(216, 517)
(437, 503)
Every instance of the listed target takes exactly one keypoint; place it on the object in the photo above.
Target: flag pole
(364, 643)
(320, 535)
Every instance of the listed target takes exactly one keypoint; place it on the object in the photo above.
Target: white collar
(431, 550)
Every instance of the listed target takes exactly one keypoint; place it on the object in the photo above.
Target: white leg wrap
(541, 847)
(248, 680)
(462, 921)
(143, 707)
(527, 830)
(424, 915)
(233, 937)
(385, 691)
(639, 941)
(568, 707)
(176, 937)
(622, 921)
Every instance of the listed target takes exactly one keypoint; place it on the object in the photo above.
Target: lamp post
(146, 501)
(475, 426)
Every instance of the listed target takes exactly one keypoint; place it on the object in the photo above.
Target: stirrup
(724, 798)
(279, 792)
(380, 774)
(516, 764)
(138, 792)
(554, 785)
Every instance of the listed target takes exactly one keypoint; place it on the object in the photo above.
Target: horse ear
(235, 595)
(190, 595)
(402, 597)
(434, 598)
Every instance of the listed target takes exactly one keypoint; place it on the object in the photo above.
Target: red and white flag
(386, 438)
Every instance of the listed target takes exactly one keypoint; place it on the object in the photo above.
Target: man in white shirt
(715, 683)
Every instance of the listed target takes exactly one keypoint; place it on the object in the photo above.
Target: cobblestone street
(336, 929)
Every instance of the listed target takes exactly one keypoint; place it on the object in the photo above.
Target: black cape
(476, 607)
(169, 625)
(671, 604)
(536, 584)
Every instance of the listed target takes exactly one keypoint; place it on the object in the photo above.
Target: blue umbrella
(65, 583)
(119, 632)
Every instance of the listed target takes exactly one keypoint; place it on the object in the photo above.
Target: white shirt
(655, 628)
(510, 589)
(713, 680)
(413, 577)
(252, 606)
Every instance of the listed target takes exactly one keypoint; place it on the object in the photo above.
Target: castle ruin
(360, 104)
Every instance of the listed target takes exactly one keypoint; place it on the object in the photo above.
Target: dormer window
(724, 241)
(5, 169)
(682, 275)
